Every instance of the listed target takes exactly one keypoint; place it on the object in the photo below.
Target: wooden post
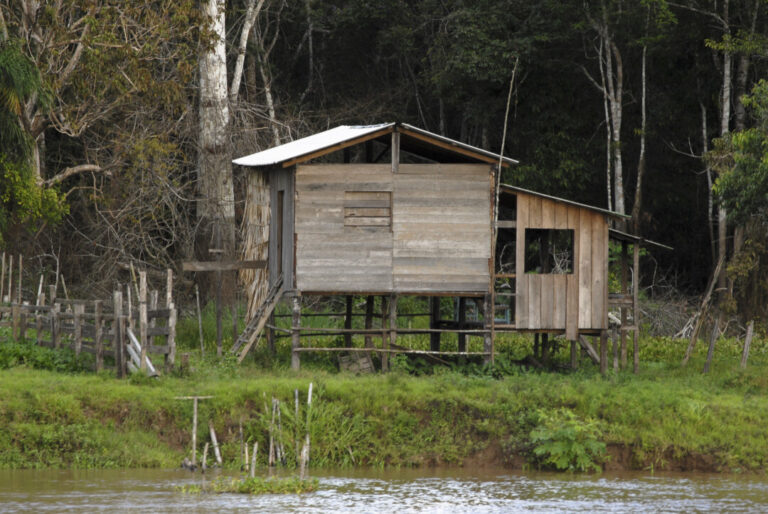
(545, 357)
(153, 299)
(129, 302)
(368, 321)
(15, 317)
(434, 323)
(117, 331)
(306, 448)
(22, 321)
(348, 321)
(194, 399)
(747, 343)
(462, 337)
(55, 341)
(712, 339)
(19, 299)
(204, 465)
(143, 319)
(168, 288)
(392, 340)
(98, 335)
(623, 309)
(2, 278)
(574, 355)
(395, 151)
(271, 334)
(295, 335)
(253, 459)
(170, 357)
(603, 352)
(215, 443)
(384, 327)
(10, 278)
(199, 320)
(488, 325)
(636, 306)
(78, 321)
(537, 346)
(615, 341)
(39, 319)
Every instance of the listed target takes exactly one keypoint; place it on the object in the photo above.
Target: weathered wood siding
(438, 240)
(573, 301)
(442, 228)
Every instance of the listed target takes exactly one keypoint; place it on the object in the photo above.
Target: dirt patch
(624, 458)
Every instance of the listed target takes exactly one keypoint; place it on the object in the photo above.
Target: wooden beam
(222, 265)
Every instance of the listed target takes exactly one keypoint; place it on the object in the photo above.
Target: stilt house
(390, 210)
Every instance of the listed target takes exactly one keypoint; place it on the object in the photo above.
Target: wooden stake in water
(205, 457)
(194, 422)
(305, 449)
(296, 425)
(253, 459)
(216, 451)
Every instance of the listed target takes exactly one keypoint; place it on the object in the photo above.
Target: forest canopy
(118, 119)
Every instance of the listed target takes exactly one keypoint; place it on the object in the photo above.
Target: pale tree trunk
(725, 117)
(710, 193)
(607, 113)
(637, 205)
(615, 97)
(216, 204)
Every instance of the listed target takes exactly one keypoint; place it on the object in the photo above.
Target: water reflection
(443, 490)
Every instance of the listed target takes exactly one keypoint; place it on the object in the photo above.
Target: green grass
(56, 415)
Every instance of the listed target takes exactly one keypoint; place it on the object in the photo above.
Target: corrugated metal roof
(310, 144)
(307, 146)
(514, 189)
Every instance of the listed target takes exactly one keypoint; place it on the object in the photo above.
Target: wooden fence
(119, 334)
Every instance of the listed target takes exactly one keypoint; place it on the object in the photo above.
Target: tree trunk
(638, 204)
(216, 200)
(725, 117)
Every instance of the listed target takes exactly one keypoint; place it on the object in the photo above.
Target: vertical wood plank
(170, 357)
(547, 309)
(572, 280)
(368, 316)
(521, 280)
(534, 300)
(585, 269)
(117, 331)
(78, 319)
(488, 324)
(599, 271)
(434, 322)
(392, 341)
(560, 302)
(636, 306)
(534, 212)
(561, 216)
(603, 351)
(295, 341)
(547, 213)
(348, 321)
(54, 317)
(39, 320)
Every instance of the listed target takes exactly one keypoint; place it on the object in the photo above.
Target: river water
(422, 490)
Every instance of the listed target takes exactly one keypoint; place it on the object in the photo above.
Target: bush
(567, 443)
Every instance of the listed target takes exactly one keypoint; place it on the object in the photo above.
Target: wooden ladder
(252, 331)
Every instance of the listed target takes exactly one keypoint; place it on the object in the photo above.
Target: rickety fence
(117, 334)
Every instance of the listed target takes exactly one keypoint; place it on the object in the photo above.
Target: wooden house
(390, 210)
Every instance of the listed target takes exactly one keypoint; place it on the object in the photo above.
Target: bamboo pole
(205, 457)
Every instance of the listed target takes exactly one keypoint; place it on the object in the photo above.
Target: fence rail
(105, 329)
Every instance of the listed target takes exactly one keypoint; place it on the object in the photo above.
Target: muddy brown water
(422, 490)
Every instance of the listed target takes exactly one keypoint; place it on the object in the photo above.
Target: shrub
(563, 441)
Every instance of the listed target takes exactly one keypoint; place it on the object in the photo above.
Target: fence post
(170, 357)
(78, 322)
(23, 321)
(15, 322)
(97, 337)
(117, 331)
(39, 319)
(143, 318)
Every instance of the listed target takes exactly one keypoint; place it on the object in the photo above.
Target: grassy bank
(666, 417)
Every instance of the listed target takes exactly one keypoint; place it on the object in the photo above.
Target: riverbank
(665, 418)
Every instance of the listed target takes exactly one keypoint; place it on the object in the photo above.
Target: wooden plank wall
(442, 228)
(439, 239)
(571, 301)
(330, 256)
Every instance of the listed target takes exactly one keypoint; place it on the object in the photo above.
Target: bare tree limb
(250, 17)
(71, 171)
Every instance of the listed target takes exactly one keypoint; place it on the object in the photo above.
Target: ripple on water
(422, 491)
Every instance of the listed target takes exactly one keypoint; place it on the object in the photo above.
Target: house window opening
(368, 209)
(548, 251)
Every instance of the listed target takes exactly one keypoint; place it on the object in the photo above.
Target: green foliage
(264, 485)
(38, 357)
(567, 443)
